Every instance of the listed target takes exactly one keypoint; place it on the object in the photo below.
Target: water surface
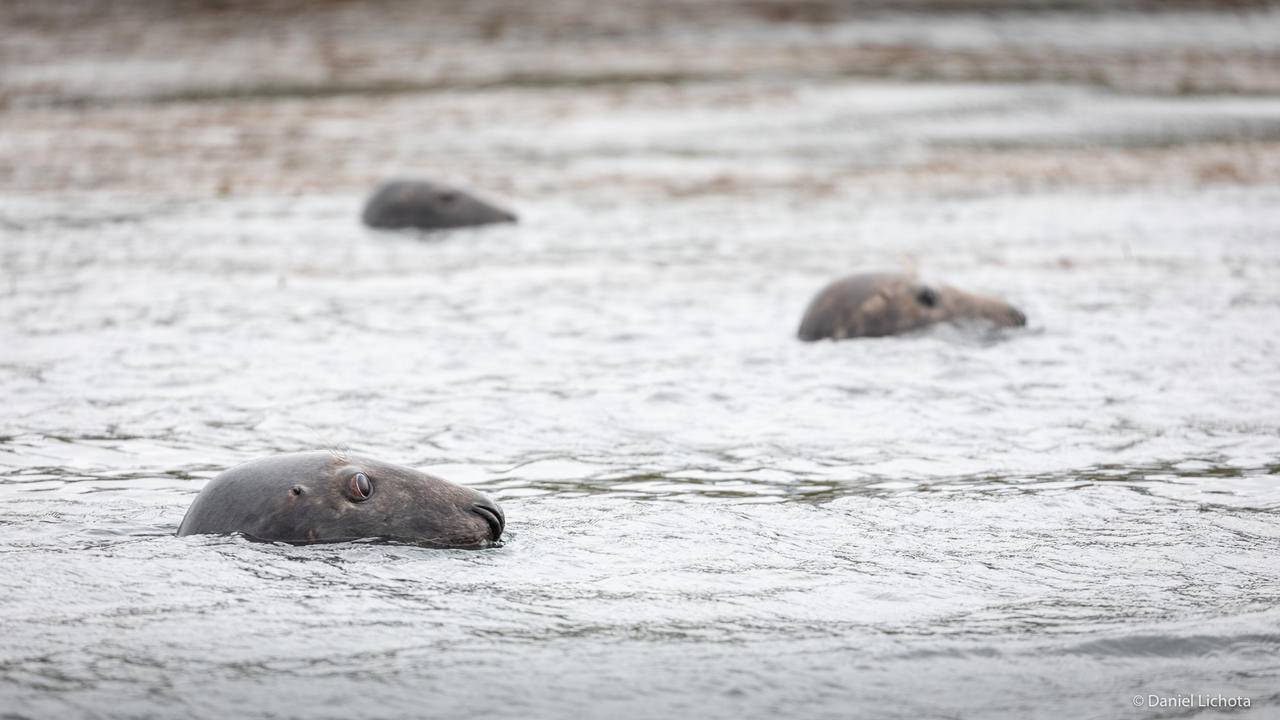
(706, 517)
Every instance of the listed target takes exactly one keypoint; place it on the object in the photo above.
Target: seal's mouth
(492, 515)
(1015, 318)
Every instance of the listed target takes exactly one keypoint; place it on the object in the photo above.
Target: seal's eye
(296, 489)
(359, 487)
(927, 297)
(448, 197)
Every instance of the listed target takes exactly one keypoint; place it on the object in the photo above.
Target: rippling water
(706, 517)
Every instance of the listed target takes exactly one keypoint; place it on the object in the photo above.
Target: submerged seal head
(320, 497)
(876, 304)
(428, 206)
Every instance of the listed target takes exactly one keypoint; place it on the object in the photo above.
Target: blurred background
(593, 100)
(706, 517)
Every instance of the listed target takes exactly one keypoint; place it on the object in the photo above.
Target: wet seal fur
(878, 304)
(320, 497)
(424, 205)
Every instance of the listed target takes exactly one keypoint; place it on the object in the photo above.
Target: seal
(878, 304)
(424, 205)
(319, 497)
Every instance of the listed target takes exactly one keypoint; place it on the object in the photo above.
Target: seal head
(320, 497)
(878, 304)
(426, 205)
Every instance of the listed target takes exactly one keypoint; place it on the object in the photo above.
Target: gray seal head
(877, 304)
(426, 205)
(319, 497)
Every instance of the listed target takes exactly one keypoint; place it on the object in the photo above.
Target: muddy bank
(75, 53)
(620, 102)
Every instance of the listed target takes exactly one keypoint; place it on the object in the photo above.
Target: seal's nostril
(492, 515)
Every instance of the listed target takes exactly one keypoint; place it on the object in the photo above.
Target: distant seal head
(877, 304)
(427, 205)
(320, 497)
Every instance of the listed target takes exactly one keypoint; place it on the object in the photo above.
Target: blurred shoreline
(87, 53)
(210, 99)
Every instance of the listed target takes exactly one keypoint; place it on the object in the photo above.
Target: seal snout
(1015, 318)
(493, 517)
